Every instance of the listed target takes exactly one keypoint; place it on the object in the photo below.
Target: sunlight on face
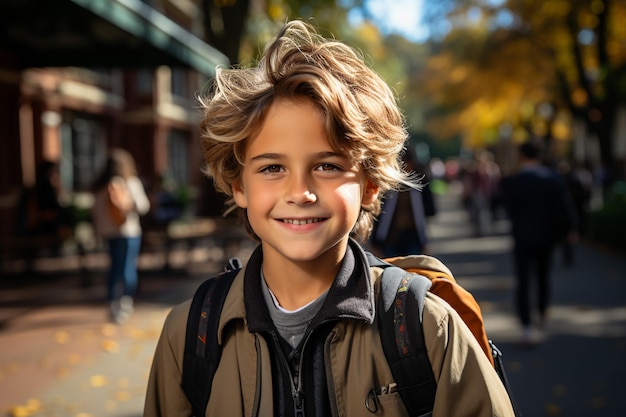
(302, 197)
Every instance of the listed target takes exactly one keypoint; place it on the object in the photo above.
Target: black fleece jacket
(299, 375)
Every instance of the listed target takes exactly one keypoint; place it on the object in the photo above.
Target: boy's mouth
(299, 222)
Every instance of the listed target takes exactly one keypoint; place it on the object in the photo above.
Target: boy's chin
(306, 252)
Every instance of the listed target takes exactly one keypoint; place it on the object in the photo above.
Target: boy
(305, 144)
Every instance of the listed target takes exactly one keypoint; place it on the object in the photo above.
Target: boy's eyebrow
(273, 156)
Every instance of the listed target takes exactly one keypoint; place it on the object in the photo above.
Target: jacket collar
(350, 296)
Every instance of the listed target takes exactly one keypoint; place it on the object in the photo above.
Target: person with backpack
(119, 200)
(305, 144)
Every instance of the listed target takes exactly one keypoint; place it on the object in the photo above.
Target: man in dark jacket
(541, 215)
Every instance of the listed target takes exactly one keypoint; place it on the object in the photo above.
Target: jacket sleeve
(467, 384)
(164, 395)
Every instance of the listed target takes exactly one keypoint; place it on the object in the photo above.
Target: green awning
(98, 33)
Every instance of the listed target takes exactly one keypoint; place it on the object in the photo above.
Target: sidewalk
(578, 368)
(59, 356)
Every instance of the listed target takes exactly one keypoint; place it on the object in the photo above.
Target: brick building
(80, 76)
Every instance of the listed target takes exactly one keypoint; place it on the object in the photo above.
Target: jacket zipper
(296, 392)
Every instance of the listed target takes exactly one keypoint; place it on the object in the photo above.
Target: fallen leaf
(98, 381)
(108, 330)
(552, 409)
(74, 359)
(110, 346)
(18, 411)
(33, 405)
(62, 337)
(122, 396)
(62, 372)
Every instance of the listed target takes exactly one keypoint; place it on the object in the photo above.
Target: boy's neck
(295, 284)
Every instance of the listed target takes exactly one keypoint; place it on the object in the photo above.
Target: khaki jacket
(467, 384)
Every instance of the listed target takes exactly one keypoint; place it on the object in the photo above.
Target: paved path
(578, 368)
(59, 357)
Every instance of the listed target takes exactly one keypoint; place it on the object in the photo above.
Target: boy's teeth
(300, 222)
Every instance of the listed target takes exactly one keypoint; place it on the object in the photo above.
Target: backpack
(404, 283)
(119, 201)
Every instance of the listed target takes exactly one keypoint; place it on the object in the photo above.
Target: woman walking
(120, 199)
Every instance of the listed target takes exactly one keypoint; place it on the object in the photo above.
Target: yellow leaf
(62, 337)
(552, 409)
(122, 396)
(73, 359)
(109, 330)
(110, 346)
(98, 381)
(33, 405)
(62, 372)
(18, 411)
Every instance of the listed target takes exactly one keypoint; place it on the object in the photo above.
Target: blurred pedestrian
(40, 213)
(166, 207)
(480, 190)
(541, 214)
(401, 226)
(120, 199)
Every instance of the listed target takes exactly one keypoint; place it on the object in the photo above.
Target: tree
(239, 28)
(502, 64)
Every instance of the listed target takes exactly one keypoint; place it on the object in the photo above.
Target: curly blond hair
(361, 115)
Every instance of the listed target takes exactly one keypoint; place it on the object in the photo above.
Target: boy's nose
(300, 192)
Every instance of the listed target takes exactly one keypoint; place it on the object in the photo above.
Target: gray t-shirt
(291, 324)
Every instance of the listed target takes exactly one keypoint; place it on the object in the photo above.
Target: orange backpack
(445, 286)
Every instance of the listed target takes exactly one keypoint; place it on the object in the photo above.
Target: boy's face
(302, 197)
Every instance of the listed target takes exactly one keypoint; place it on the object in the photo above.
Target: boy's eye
(327, 167)
(272, 169)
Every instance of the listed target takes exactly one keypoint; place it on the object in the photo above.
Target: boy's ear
(239, 195)
(370, 193)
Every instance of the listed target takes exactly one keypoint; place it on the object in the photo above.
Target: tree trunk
(224, 24)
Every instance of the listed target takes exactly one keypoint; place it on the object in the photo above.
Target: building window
(179, 82)
(84, 153)
(178, 156)
(144, 81)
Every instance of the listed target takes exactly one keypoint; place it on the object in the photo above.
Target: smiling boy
(305, 144)
(302, 199)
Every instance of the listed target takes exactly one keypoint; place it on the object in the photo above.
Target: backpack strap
(499, 367)
(202, 352)
(400, 303)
